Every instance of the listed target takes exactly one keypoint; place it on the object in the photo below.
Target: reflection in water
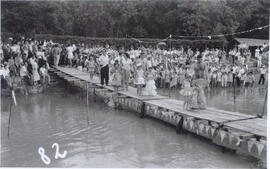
(99, 136)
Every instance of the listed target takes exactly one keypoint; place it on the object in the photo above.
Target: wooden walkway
(243, 122)
(222, 127)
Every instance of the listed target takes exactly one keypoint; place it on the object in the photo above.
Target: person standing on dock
(126, 65)
(200, 81)
(56, 54)
(104, 68)
(70, 49)
(263, 71)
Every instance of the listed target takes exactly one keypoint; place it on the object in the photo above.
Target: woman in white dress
(150, 88)
(36, 75)
(70, 50)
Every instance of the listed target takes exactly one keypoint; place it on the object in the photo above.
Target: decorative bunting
(259, 147)
(222, 135)
(212, 131)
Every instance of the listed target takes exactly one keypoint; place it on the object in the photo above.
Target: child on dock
(187, 92)
(139, 79)
(91, 67)
(117, 78)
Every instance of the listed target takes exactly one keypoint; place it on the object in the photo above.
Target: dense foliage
(150, 19)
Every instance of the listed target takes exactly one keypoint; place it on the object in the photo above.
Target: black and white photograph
(134, 83)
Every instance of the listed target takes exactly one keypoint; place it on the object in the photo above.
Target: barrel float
(139, 105)
(127, 103)
(200, 128)
(211, 132)
(171, 118)
(151, 111)
(189, 123)
(231, 141)
(159, 113)
(147, 110)
(235, 141)
(185, 123)
(258, 150)
(204, 130)
(154, 111)
(220, 136)
(165, 116)
(245, 146)
(176, 119)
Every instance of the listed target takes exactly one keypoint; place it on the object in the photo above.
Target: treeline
(140, 18)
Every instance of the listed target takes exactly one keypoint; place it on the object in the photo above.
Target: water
(99, 136)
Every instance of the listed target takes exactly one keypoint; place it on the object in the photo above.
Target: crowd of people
(27, 61)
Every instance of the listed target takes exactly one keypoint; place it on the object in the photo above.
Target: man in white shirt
(104, 68)
(259, 64)
(262, 75)
(257, 52)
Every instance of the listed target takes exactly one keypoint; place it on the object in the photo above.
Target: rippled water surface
(100, 136)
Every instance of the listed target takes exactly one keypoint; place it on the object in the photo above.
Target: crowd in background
(27, 61)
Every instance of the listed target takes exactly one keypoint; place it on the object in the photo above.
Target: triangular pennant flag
(191, 124)
(197, 131)
(185, 123)
(250, 144)
(222, 135)
(201, 126)
(212, 131)
(230, 138)
(260, 148)
(207, 128)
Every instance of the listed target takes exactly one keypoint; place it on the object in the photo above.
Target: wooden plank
(71, 79)
(228, 112)
(177, 106)
(254, 126)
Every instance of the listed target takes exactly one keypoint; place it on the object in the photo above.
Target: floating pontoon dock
(240, 132)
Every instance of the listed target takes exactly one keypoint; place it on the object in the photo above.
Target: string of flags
(223, 35)
(143, 41)
(207, 37)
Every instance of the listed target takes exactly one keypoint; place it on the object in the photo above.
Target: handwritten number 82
(46, 159)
